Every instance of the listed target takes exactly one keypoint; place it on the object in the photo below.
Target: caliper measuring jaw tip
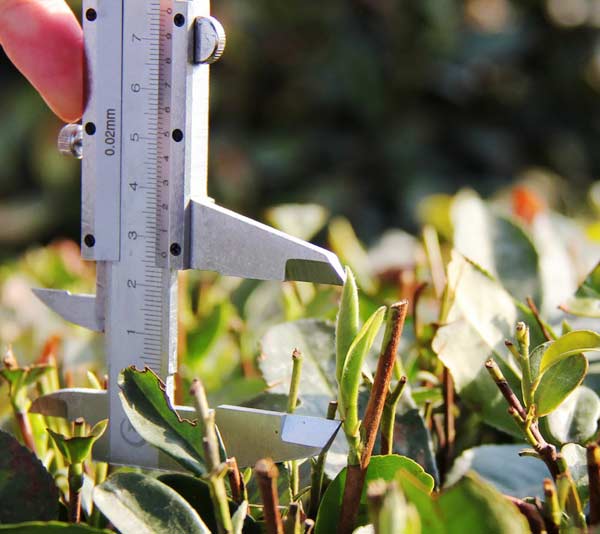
(145, 211)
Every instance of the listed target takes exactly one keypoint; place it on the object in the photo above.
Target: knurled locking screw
(70, 140)
(209, 40)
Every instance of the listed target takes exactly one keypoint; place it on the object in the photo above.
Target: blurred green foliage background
(363, 106)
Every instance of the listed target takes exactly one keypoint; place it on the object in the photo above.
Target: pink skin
(44, 40)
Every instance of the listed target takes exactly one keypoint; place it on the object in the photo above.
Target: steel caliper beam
(145, 210)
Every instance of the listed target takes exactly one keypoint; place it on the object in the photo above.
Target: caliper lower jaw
(222, 241)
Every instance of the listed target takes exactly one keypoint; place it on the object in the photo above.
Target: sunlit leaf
(558, 382)
(140, 504)
(380, 467)
(572, 343)
(150, 412)
(347, 322)
(576, 419)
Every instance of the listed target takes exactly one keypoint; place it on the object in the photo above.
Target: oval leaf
(347, 323)
(576, 419)
(501, 466)
(558, 382)
(27, 490)
(380, 467)
(140, 504)
(197, 493)
(149, 411)
(572, 343)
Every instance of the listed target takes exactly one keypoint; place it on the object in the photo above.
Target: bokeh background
(363, 106)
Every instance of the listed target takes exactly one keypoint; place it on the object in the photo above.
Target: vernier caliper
(145, 213)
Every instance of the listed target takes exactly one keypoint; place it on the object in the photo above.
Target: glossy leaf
(351, 374)
(27, 490)
(501, 466)
(345, 244)
(139, 504)
(558, 382)
(576, 457)
(315, 339)
(576, 419)
(496, 243)
(482, 316)
(471, 505)
(196, 492)
(299, 220)
(572, 343)
(149, 411)
(380, 467)
(51, 527)
(347, 322)
(586, 301)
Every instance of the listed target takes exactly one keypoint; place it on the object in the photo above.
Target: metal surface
(100, 171)
(232, 244)
(145, 211)
(77, 309)
(209, 40)
(70, 140)
(249, 434)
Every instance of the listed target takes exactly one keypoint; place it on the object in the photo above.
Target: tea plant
(468, 400)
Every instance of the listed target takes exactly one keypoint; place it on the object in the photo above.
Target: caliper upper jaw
(231, 244)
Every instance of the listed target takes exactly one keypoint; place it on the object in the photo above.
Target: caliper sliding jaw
(145, 210)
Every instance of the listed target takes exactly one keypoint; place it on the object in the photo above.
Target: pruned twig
(536, 314)
(593, 465)
(318, 471)
(531, 513)
(236, 481)
(355, 475)
(266, 475)
(388, 419)
(447, 453)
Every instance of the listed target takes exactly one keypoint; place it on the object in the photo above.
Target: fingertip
(44, 40)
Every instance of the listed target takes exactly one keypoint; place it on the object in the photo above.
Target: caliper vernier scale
(145, 210)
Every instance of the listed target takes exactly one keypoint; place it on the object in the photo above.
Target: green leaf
(347, 322)
(351, 374)
(197, 494)
(586, 301)
(471, 505)
(300, 220)
(496, 243)
(576, 419)
(501, 466)
(576, 457)
(77, 449)
(558, 382)
(572, 343)
(51, 527)
(345, 244)
(482, 316)
(315, 339)
(139, 504)
(380, 467)
(27, 490)
(150, 412)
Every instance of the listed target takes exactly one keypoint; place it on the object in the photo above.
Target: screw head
(90, 128)
(175, 249)
(70, 140)
(179, 20)
(91, 15)
(209, 40)
(89, 240)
